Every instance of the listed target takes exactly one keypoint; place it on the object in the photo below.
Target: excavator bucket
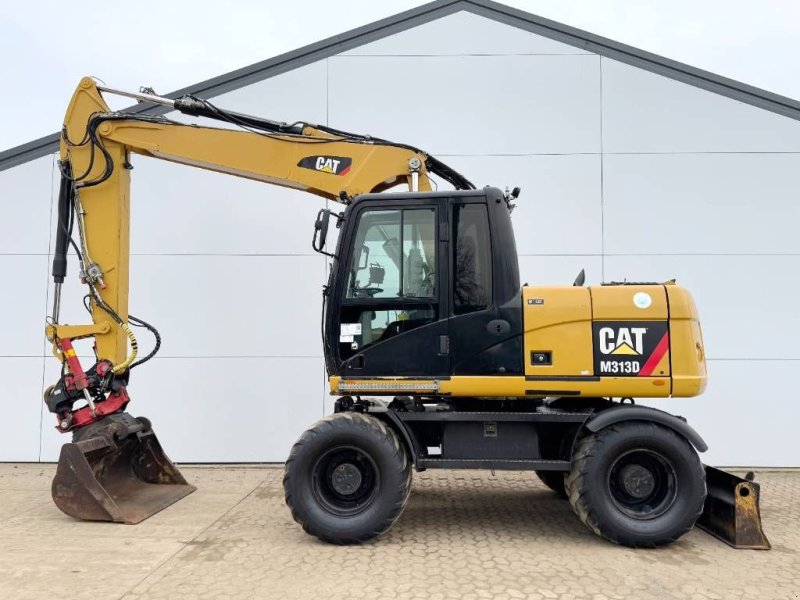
(120, 475)
(731, 512)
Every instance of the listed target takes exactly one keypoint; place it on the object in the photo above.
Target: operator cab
(416, 282)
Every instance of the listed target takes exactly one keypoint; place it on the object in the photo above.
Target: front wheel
(637, 484)
(347, 479)
(554, 480)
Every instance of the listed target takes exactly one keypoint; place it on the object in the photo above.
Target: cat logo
(335, 165)
(622, 341)
(631, 349)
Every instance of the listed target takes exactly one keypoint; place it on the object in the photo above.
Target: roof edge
(29, 151)
(636, 57)
(403, 21)
(325, 48)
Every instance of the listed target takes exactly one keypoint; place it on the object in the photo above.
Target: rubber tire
(555, 481)
(370, 435)
(588, 492)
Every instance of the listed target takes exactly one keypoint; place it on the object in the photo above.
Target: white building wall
(624, 173)
(26, 193)
(704, 189)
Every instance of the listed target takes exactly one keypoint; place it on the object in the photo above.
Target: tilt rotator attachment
(732, 512)
(115, 468)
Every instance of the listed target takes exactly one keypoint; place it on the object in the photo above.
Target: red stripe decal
(655, 358)
(345, 171)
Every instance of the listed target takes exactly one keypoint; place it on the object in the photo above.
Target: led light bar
(388, 386)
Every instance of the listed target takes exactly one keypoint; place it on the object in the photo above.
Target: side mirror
(321, 231)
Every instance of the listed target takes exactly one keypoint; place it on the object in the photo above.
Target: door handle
(498, 327)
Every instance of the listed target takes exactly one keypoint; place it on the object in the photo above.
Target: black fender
(398, 425)
(644, 413)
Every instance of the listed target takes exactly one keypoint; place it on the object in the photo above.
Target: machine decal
(642, 300)
(660, 350)
(350, 329)
(335, 165)
(348, 333)
(625, 348)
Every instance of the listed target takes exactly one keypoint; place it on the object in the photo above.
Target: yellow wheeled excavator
(437, 356)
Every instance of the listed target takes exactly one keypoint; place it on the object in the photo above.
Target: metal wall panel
(22, 304)
(645, 112)
(176, 209)
(220, 409)
(747, 304)
(746, 416)
(558, 211)
(22, 400)
(231, 305)
(296, 95)
(27, 192)
(559, 270)
(225, 306)
(471, 104)
(463, 33)
(701, 203)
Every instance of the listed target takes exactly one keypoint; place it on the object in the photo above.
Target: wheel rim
(642, 484)
(345, 480)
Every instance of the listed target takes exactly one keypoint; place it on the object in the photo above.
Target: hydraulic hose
(124, 365)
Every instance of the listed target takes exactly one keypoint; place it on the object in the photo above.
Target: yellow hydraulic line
(134, 350)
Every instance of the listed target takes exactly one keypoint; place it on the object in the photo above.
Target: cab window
(394, 254)
(472, 259)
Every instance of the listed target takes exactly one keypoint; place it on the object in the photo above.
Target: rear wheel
(347, 478)
(636, 484)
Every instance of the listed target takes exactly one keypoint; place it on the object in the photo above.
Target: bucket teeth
(732, 512)
(116, 477)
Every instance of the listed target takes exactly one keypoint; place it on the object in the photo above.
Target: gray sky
(48, 45)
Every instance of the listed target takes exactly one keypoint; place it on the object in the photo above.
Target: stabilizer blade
(732, 512)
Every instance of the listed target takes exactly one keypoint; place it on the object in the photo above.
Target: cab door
(486, 323)
(392, 303)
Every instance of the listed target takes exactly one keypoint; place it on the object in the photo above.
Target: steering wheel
(367, 292)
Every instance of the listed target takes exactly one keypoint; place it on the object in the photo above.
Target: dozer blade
(731, 512)
(121, 475)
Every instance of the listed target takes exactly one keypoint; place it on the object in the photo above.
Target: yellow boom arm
(95, 146)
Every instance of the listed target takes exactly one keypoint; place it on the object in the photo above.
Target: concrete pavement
(464, 534)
